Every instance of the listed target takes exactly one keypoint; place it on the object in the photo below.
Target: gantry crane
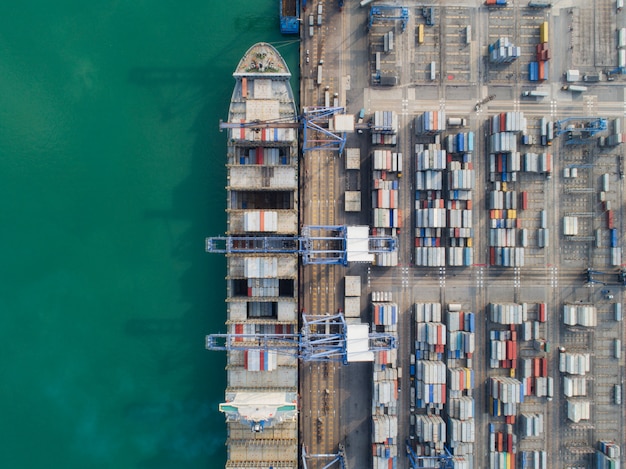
(580, 129)
(322, 338)
(316, 244)
(315, 121)
(385, 13)
(339, 458)
(621, 277)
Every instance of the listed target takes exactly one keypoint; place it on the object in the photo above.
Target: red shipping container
(462, 321)
(438, 242)
(514, 336)
(492, 256)
(443, 393)
(610, 219)
(500, 442)
(518, 223)
(524, 200)
(536, 365)
(245, 359)
(542, 312)
(544, 368)
(509, 446)
(542, 71)
(390, 463)
(514, 361)
(502, 121)
(449, 158)
(469, 204)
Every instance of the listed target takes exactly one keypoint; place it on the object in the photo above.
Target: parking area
(428, 50)
(456, 63)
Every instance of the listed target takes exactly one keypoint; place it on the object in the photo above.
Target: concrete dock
(336, 399)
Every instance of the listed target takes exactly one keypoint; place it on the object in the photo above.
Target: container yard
(486, 138)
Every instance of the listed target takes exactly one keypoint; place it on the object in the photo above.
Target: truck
(591, 77)
(574, 88)
(388, 80)
(539, 4)
(457, 122)
(536, 93)
(360, 119)
(429, 15)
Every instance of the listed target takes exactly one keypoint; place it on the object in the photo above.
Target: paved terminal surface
(336, 399)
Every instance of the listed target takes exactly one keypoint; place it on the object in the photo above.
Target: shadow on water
(190, 432)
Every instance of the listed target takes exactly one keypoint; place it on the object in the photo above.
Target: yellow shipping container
(543, 32)
(420, 33)
(469, 242)
(512, 214)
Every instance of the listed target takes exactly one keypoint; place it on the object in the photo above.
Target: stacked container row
(537, 163)
(574, 386)
(532, 424)
(430, 123)
(574, 363)
(503, 51)
(462, 142)
(580, 315)
(508, 313)
(385, 386)
(578, 410)
(534, 459)
(506, 256)
(387, 160)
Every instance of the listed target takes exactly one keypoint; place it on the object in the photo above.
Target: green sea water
(111, 175)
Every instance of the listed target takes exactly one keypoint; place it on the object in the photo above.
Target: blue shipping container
(613, 238)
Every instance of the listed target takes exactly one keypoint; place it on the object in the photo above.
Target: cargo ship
(289, 16)
(262, 201)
